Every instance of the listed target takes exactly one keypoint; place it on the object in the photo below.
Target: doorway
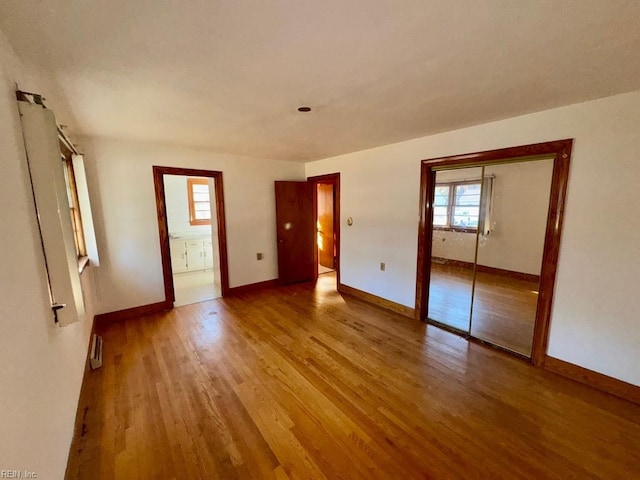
(488, 244)
(308, 229)
(193, 240)
(192, 231)
(326, 206)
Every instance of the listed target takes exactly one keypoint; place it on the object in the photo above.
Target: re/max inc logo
(17, 474)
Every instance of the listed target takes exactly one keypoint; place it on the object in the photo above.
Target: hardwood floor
(450, 295)
(300, 383)
(504, 308)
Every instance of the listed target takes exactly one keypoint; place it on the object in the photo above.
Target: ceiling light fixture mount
(304, 109)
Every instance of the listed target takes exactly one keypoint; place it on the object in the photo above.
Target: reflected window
(456, 205)
(441, 206)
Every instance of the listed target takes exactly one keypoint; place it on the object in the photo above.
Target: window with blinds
(457, 206)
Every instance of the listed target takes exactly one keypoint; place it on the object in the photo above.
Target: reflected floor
(450, 295)
(504, 307)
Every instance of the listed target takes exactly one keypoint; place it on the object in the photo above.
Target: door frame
(163, 229)
(329, 179)
(560, 151)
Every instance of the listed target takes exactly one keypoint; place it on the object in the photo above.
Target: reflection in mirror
(512, 225)
(455, 220)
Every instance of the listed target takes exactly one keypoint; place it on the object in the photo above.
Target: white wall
(126, 224)
(519, 219)
(595, 311)
(41, 365)
(176, 196)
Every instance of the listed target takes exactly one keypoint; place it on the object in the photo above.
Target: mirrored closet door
(489, 227)
(455, 222)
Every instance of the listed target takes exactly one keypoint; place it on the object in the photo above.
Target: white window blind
(52, 208)
(85, 209)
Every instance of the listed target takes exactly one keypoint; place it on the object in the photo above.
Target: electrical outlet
(382, 266)
(258, 256)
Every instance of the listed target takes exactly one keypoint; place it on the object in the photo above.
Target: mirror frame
(560, 151)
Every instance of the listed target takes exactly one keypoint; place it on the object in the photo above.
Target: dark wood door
(326, 251)
(295, 231)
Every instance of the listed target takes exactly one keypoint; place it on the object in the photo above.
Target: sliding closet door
(509, 255)
(455, 221)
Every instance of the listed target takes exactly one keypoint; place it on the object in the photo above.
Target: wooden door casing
(325, 239)
(163, 229)
(560, 151)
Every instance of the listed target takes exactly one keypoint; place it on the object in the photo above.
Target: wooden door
(295, 231)
(325, 240)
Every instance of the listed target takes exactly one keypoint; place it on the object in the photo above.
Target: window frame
(74, 209)
(193, 221)
(451, 206)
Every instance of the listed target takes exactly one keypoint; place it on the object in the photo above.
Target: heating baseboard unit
(95, 359)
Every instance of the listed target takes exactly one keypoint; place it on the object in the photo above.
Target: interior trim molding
(560, 151)
(597, 380)
(253, 287)
(163, 227)
(376, 300)
(133, 312)
(330, 179)
(529, 277)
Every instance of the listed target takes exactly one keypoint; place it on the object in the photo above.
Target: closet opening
(488, 243)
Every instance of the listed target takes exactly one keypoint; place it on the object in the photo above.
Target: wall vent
(96, 352)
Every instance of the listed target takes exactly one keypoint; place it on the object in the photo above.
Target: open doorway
(191, 226)
(303, 224)
(326, 206)
(325, 241)
(193, 239)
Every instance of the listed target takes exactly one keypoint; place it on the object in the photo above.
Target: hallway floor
(195, 287)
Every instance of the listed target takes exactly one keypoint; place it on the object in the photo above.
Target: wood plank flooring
(301, 383)
(504, 308)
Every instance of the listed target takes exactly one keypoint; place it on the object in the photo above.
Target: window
(456, 206)
(72, 197)
(199, 201)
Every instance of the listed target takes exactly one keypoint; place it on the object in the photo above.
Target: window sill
(456, 229)
(83, 262)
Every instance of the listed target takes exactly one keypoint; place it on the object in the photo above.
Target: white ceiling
(229, 74)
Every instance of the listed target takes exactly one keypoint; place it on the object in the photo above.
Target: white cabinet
(208, 254)
(178, 255)
(195, 255)
(191, 254)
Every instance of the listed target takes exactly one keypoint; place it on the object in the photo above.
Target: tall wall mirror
(488, 227)
(489, 244)
(455, 222)
(509, 250)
